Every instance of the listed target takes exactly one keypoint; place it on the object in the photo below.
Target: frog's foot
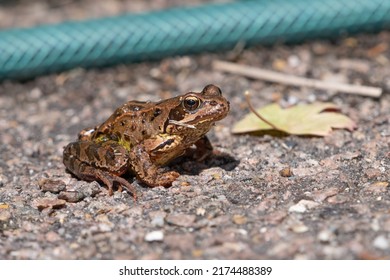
(159, 178)
(109, 180)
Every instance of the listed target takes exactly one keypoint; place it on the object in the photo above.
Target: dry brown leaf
(313, 119)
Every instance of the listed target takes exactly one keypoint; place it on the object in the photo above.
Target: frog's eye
(191, 103)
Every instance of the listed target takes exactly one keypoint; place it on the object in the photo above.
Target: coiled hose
(26, 53)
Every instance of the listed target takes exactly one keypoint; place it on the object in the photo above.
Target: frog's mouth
(179, 123)
(192, 124)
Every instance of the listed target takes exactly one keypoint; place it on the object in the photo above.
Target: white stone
(381, 242)
(157, 235)
(299, 228)
(303, 205)
(158, 221)
(324, 235)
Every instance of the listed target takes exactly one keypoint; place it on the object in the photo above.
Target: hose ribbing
(25, 53)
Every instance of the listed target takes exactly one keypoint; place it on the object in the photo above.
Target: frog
(142, 137)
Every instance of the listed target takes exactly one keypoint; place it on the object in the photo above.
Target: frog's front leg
(148, 172)
(203, 149)
(104, 162)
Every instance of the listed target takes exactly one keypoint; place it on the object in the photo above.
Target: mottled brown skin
(143, 136)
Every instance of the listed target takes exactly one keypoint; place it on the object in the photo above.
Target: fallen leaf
(313, 119)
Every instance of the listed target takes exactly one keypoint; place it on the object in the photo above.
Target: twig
(276, 77)
(253, 110)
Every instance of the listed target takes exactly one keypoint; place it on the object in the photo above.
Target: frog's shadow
(188, 165)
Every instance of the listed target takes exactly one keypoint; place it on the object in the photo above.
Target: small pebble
(158, 221)
(303, 205)
(71, 196)
(52, 236)
(5, 215)
(324, 236)
(294, 61)
(103, 227)
(200, 211)
(381, 185)
(53, 186)
(48, 203)
(239, 219)
(183, 242)
(286, 172)
(381, 242)
(157, 235)
(182, 220)
(197, 253)
(300, 228)
(322, 195)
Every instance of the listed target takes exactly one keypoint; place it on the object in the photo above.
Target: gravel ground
(234, 205)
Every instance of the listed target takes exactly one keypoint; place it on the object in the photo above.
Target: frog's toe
(164, 179)
(128, 186)
(167, 178)
(109, 180)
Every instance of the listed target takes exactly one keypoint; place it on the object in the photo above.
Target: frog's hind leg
(104, 162)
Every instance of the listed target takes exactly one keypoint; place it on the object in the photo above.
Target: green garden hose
(26, 53)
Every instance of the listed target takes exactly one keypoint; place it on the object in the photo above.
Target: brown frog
(143, 136)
